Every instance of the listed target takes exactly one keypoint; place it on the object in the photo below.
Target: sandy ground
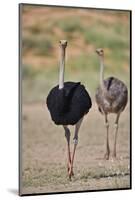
(44, 156)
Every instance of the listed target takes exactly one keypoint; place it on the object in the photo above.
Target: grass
(37, 82)
(45, 157)
(85, 68)
(85, 33)
(102, 172)
(53, 175)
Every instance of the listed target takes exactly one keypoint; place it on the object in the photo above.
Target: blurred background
(85, 30)
(43, 145)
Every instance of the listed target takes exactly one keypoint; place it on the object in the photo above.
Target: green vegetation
(39, 45)
(106, 38)
(71, 25)
(85, 31)
(28, 72)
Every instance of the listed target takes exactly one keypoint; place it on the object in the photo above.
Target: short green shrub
(41, 46)
(70, 25)
(44, 47)
(28, 43)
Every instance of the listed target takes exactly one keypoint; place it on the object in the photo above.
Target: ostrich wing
(115, 89)
(66, 98)
(69, 90)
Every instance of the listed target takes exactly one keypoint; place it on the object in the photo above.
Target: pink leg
(116, 132)
(77, 127)
(106, 156)
(67, 135)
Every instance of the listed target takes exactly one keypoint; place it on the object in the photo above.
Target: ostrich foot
(106, 156)
(114, 157)
(70, 175)
(70, 172)
(69, 168)
(114, 154)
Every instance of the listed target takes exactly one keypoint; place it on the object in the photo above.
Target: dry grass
(44, 154)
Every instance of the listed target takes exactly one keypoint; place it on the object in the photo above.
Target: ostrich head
(63, 43)
(100, 52)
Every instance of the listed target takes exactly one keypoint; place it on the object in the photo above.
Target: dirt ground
(44, 156)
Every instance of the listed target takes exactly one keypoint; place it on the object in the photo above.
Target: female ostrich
(68, 102)
(111, 97)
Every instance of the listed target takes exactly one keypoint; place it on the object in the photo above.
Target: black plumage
(69, 104)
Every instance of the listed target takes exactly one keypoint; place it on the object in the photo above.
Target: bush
(35, 28)
(70, 25)
(41, 46)
(44, 47)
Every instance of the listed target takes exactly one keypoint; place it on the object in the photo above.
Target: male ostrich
(111, 97)
(68, 102)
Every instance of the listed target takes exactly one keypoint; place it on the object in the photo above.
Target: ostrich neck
(62, 68)
(102, 73)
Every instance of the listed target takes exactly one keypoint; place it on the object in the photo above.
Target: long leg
(75, 139)
(116, 132)
(67, 135)
(107, 138)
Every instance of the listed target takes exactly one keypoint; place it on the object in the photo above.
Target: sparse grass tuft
(102, 172)
(57, 177)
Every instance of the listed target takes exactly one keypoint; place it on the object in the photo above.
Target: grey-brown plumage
(111, 97)
(114, 99)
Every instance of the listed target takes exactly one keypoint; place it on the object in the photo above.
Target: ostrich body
(111, 97)
(68, 102)
(68, 105)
